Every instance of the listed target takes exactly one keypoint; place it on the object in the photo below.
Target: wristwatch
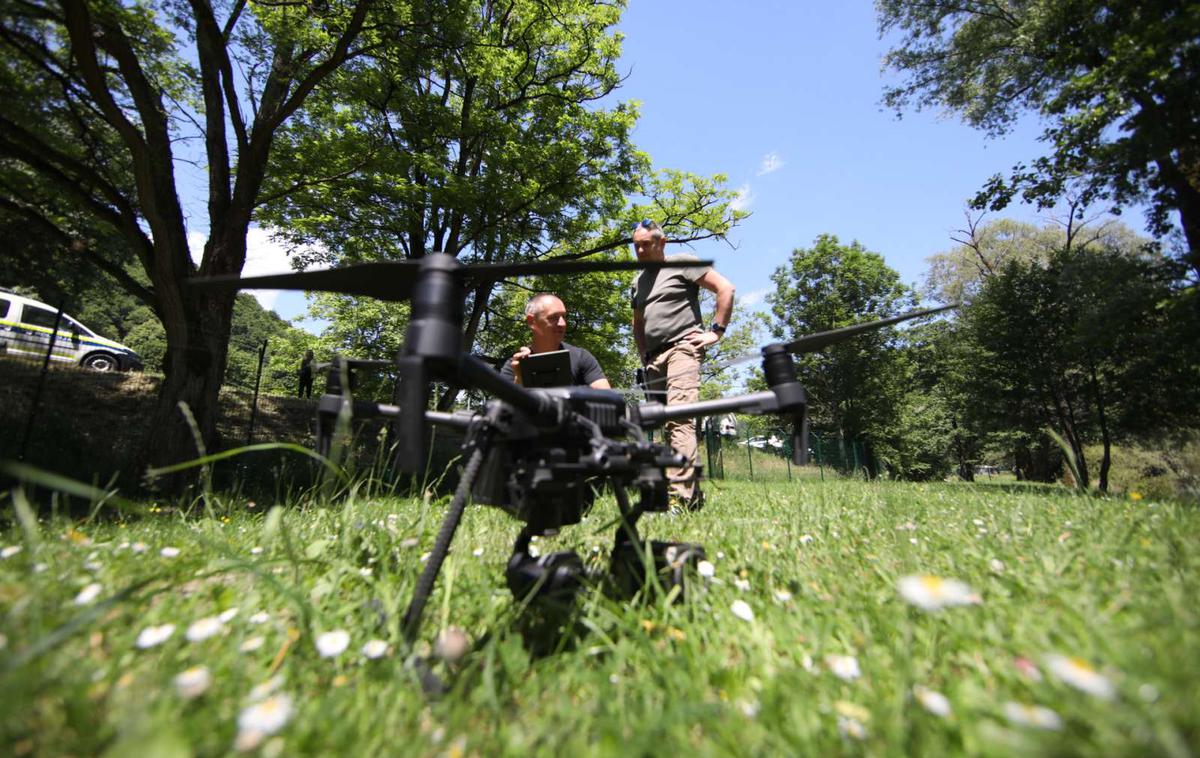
(717, 327)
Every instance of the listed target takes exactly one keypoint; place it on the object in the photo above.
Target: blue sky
(784, 98)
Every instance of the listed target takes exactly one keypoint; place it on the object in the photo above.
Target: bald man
(546, 316)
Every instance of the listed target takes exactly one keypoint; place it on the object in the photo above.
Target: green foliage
(856, 389)
(955, 275)
(1096, 344)
(1114, 81)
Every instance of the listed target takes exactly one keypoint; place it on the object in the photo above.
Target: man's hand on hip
(701, 340)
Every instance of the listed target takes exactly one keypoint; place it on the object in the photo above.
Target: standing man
(306, 375)
(671, 339)
(547, 319)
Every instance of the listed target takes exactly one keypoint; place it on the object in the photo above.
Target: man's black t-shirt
(585, 369)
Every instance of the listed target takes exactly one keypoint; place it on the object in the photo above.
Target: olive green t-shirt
(669, 300)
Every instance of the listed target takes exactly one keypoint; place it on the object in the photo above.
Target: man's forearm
(724, 311)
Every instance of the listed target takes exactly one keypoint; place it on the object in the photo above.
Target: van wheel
(100, 362)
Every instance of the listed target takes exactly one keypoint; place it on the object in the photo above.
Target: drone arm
(480, 375)
(785, 396)
(756, 404)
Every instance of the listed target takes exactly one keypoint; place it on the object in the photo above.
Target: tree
(1097, 344)
(492, 145)
(100, 97)
(983, 249)
(1115, 82)
(855, 387)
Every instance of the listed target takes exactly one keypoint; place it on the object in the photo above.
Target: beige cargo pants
(678, 368)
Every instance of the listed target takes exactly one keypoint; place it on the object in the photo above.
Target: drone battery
(554, 576)
(672, 561)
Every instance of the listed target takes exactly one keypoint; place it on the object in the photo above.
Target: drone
(541, 455)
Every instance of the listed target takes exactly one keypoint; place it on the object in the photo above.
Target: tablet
(552, 369)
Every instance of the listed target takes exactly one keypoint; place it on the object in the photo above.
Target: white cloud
(743, 200)
(771, 163)
(263, 256)
(751, 299)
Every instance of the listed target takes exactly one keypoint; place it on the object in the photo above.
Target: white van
(26, 326)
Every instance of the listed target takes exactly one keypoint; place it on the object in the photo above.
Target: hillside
(89, 425)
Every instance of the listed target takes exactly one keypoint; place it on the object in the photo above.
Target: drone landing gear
(634, 561)
(634, 565)
(555, 577)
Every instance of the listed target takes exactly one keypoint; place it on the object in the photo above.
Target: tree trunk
(966, 471)
(483, 294)
(1106, 461)
(197, 343)
(1183, 182)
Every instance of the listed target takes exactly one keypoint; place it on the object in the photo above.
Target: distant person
(671, 339)
(547, 319)
(306, 375)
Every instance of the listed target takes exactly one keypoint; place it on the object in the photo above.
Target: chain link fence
(732, 450)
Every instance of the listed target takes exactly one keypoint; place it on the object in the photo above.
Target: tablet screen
(552, 369)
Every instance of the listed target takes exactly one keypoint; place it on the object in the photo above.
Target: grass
(1112, 581)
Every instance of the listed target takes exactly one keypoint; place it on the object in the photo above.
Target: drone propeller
(813, 343)
(395, 280)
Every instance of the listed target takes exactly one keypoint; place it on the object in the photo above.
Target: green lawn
(816, 564)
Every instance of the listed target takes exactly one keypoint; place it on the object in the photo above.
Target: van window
(39, 317)
(4, 303)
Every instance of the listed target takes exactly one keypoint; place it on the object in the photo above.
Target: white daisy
(365, 572)
(261, 720)
(932, 593)
(266, 689)
(9, 551)
(932, 701)
(255, 550)
(451, 644)
(844, 667)
(805, 539)
(852, 711)
(477, 552)
(193, 682)
(783, 596)
(742, 610)
(204, 628)
(706, 569)
(154, 635)
(1080, 675)
(996, 565)
(39, 568)
(853, 728)
(741, 584)
(169, 552)
(1032, 715)
(88, 594)
(333, 644)
(138, 547)
(227, 615)
(261, 617)
(375, 649)
(251, 645)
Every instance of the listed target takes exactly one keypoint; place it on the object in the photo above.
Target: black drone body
(542, 455)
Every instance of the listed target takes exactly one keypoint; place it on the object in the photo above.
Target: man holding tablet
(547, 319)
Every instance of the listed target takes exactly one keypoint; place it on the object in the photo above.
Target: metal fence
(767, 457)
